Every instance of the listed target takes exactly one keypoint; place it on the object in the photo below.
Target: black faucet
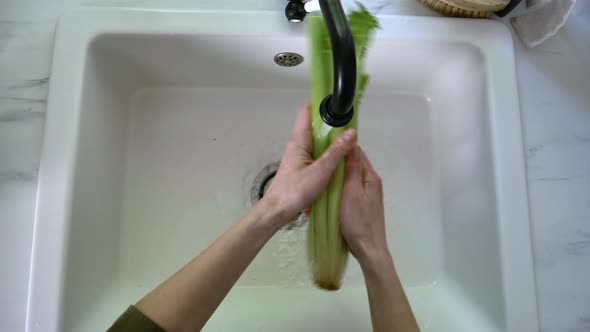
(336, 109)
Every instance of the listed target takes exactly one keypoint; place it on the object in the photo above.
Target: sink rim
(77, 29)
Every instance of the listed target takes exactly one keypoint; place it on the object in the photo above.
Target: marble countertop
(554, 87)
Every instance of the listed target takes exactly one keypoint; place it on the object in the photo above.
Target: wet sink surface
(159, 123)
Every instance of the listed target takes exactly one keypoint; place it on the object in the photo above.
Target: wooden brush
(466, 8)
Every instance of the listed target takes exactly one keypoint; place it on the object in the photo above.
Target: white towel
(542, 19)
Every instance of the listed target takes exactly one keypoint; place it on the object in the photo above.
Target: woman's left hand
(300, 179)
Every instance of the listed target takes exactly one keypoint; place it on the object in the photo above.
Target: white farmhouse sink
(159, 122)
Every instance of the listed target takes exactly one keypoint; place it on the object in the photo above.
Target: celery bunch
(326, 249)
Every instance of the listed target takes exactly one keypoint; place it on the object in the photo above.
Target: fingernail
(357, 153)
(349, 135)
(362, 152)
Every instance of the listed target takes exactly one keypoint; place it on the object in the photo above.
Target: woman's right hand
(361, 211)
(363, 227)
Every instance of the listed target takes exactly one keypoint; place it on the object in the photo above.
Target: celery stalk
(327, 250)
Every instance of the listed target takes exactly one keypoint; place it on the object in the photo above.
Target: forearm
(390, 309)
(187, 299)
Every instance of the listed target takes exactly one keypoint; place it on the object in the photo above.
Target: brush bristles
(448, 10)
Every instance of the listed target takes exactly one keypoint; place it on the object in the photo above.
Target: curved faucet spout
(337, 109)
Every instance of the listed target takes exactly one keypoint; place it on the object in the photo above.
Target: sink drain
(288, 59)
(260, 186)
(262, 182)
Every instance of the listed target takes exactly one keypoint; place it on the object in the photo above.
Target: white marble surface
(554, 83)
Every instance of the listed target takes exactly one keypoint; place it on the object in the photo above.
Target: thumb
(326, 164)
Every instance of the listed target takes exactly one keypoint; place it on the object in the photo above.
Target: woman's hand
(363, 227)
(300, 179)
(361, 212)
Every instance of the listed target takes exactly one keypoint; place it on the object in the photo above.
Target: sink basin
(159, 122)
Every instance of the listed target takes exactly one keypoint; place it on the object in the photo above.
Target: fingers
(353, 172)
(299, 146)
(301, 136)
(329, 160)
(369, 174)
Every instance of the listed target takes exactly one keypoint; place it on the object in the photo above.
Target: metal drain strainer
(262, 182)
(288, 59)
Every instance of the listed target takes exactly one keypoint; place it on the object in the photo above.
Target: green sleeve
(133, 320)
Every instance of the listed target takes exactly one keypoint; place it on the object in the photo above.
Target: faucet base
(334, 119)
